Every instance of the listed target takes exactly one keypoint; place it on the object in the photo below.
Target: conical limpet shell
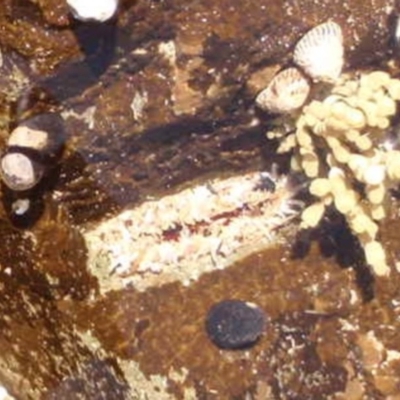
(19, 172)
(43, 134)
(287, 91)
(93, 10)
(23, 136)
(320, 52)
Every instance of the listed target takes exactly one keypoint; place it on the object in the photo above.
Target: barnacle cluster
(339, 142)
(185, 234)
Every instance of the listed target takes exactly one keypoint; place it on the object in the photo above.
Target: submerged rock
(155, 98)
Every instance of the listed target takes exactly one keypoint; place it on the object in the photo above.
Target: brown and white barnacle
(320, 52)
(287, 92)
(33, 149)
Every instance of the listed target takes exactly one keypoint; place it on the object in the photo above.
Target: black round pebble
(235, 324)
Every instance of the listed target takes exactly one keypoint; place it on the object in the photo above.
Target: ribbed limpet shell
(287, 91)
(320, 52)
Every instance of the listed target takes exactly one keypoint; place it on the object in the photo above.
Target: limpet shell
(42, 134)
(23, 136)
(320, 52)
(287, 91)
(19, 172)
(93, 10)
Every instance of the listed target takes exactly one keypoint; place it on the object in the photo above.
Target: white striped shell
(19, 172)
(287, 91)
(320, 52)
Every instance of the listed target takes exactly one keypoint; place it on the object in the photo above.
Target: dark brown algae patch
(322, 341)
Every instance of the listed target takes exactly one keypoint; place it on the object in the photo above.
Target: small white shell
(93, 10)
(287, 91)
(19, 172)
(20, 207)
(42, 134)
(320, 52)
(23, 136)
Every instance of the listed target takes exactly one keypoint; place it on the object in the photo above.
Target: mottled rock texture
(159, 97)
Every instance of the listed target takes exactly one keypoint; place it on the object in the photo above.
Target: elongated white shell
(320, 52)
(19, 172)
(287, 91)
(93, 10)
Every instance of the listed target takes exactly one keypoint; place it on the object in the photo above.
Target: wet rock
(155, 99)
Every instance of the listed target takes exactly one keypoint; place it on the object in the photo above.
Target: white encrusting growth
(93, 10)
(185, 234)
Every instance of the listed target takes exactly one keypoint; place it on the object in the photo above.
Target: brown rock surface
(153, 100)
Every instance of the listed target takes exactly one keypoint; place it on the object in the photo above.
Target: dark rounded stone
(235, 324)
